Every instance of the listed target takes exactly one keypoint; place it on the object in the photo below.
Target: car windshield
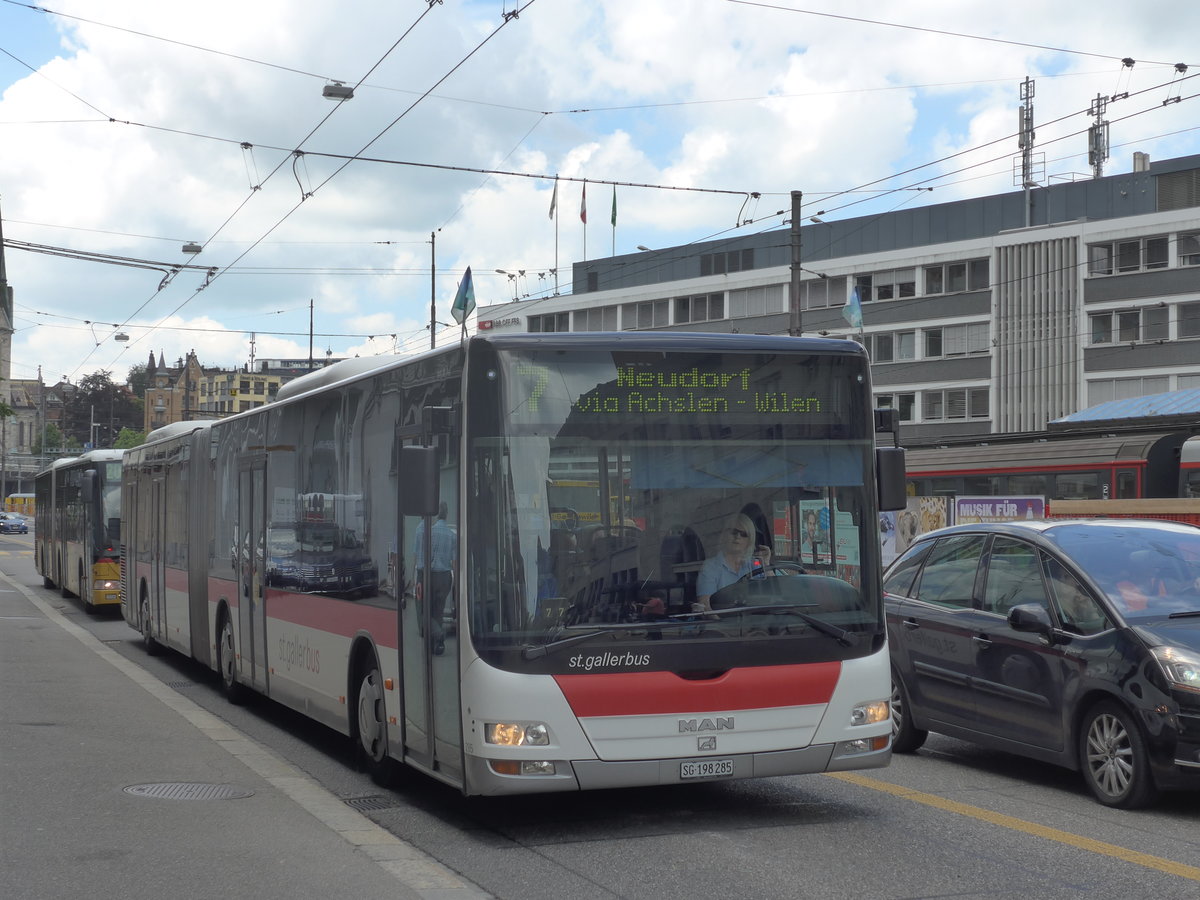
(1147, 572)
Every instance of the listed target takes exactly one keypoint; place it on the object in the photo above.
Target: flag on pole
(614, 212)
(464, 300)
(852, 311)
(554, 198)
(583, 205)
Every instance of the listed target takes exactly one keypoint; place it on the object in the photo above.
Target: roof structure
(1169, 404)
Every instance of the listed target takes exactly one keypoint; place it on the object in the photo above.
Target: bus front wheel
(370, 725)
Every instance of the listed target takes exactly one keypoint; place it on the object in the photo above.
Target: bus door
(156, 575)
(429, 634)
(251, 539)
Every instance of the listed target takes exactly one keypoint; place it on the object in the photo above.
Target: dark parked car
(1074, 642)
(11, 523)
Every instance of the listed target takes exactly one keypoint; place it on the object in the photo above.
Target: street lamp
(337, 91)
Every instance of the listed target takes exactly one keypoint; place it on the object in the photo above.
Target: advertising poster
(975, 510)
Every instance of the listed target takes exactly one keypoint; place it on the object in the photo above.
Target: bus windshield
(635, 501)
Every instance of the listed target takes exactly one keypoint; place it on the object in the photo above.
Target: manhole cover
(185, 790)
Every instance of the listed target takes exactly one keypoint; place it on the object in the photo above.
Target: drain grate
(374, 801)
(185, 790)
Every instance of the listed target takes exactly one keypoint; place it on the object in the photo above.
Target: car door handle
(982, 640)
(911, 624)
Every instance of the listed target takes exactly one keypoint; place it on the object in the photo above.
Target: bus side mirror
(889, 477)
(418, 481)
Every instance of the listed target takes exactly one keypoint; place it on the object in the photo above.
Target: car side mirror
(1031, 618)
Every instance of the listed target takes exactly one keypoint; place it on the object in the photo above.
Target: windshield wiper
(1185, 614)
(841, 635)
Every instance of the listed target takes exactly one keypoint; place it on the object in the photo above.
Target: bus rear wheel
(233, 690)
(151, 646)
(370, 724)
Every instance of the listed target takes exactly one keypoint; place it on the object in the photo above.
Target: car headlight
(1181, 667)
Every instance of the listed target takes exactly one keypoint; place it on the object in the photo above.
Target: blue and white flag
(464, 300)
(852, 311)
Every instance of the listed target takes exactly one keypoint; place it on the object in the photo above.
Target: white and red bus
(77, 541)
(283, 547)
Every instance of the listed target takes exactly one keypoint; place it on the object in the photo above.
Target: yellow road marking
(1051, 834)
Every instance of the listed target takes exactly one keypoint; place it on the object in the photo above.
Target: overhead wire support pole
(795, 322)
(432, 289)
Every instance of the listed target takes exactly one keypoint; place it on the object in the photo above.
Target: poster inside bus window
(815, 549)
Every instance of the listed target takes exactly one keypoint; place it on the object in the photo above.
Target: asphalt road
(949, 821)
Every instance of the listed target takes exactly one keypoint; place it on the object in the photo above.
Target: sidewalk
(79, 725)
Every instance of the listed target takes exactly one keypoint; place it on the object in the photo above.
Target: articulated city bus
(77, 545)
(519, 649)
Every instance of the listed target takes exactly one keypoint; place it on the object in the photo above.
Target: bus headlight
(104, 584)
(870, 713)
(534, 734)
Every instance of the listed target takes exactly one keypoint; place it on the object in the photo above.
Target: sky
(131, 128)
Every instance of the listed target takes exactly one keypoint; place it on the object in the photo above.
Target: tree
(128, 439)
(138, 380)
(54, 441)
(98, 410)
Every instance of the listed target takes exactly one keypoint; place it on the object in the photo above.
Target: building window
(892, 347)
(1189, 249)
(957, 340)
(1129, 326)
(1126, 388)
(1134, 255)
(893, 285)
(1189, 320)
(818, 294)
(905, 404)
(956, 403)
(699, 308)
(550, 322)
(651, 314)
(603, 318)
(731, 261)
(951, 278)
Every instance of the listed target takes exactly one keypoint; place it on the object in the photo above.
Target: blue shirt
(716, 574)
(445, 546)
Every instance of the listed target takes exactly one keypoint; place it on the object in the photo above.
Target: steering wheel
(775, 568)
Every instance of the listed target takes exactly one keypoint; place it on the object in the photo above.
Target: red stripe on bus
(650, 693)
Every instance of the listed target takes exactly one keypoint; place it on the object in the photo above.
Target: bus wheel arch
(151, 646)
(234, 690)
(368, 713)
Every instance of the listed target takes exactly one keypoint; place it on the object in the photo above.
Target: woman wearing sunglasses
(732, 562)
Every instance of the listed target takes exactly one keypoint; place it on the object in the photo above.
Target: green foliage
(129, 438)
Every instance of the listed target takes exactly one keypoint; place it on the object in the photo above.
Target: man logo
(720, 723)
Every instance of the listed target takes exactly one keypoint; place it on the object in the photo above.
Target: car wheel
(905, 737)
(1113, 757)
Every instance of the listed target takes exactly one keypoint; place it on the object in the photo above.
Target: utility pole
(310, 333)
(432, 289)
(795, 322)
